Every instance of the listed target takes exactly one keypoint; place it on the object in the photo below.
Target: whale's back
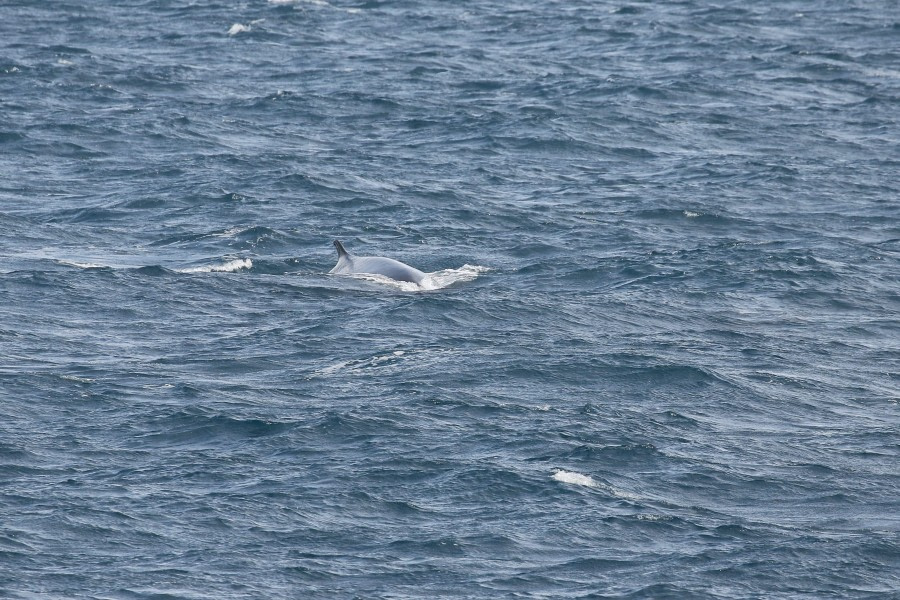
(375, 265)
(379, 265)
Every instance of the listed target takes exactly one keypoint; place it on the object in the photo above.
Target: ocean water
(661, 357)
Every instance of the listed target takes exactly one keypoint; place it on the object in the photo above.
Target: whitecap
(82, 265)
(284, 2)
(314, 3)
(652, 517)
(338, 366)
(447, 277)
(231, 232)
(228, 267)
(575, 478)
(238, 28)
(359, 366)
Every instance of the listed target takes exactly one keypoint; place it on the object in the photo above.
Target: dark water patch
(445, 546)
(617, 453)
(90, 215)
(184, 238)
(153, 271)
(63, 50)
(682, 375)
(492, 482)
(7, 137)
(891, 245)
(144, 203)
(299, 182)
(276, 267)
(691, 216)
(64, 149)
(201, 428)
(676, 419)
(230, 197)
(355, 427)
(734, 531)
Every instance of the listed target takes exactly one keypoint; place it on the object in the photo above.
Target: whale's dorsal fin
(340, 248)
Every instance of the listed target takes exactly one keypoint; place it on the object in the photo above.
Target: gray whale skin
(349, 264)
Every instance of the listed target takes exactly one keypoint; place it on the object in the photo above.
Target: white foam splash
(314, 3)
(691, 214)
(229, 267)
(82, 265)
(361, 365)
(652, 517)
(230, 232)
(284, 2)
(238, 28)
(338, 366)
(406, 286)
(447, 277)
(575, 478)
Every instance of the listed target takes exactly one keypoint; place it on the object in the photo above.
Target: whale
(350, 264)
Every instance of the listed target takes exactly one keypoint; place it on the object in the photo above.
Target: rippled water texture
(660, 359)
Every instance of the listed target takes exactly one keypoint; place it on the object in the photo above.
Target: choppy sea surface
(662, 358)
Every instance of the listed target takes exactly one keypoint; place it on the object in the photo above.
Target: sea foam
(447, 277)
(82, 265)
(314, 3)
(575, 478)
(229, 267)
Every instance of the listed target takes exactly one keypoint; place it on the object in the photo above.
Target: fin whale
(349, 264)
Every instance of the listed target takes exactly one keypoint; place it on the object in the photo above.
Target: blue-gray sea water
(659, 356)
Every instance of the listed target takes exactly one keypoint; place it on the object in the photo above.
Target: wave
(82, 265)
(228, 267)
(361, 366)
(573, 478)
(287, 2)
(322, 3)
(250, 237)
(448, 277)
(198, 426)
(238, 28)
(225, 267)
(153, 270)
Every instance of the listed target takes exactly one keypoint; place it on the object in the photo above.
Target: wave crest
(228, 267)
(574, 478)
